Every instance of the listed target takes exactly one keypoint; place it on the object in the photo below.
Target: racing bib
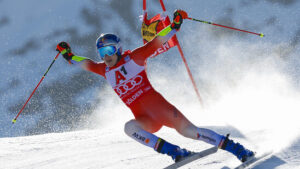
(129, 80)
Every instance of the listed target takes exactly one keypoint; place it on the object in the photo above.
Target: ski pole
(211, 23)
(15, 119)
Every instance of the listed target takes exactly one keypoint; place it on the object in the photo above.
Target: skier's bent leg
(173, 118)
(218, 140)
(203, 134)
(134, 130)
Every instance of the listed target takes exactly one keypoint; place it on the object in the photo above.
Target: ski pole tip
(14, 121)
(262, 35)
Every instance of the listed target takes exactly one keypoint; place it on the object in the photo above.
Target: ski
(193, 157)
(252, 162)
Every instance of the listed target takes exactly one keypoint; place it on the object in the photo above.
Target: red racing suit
(129, 80)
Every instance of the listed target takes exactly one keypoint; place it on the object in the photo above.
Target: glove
(179, 15)
(65, 49)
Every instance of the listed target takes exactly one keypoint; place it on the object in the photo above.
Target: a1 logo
(119, 76)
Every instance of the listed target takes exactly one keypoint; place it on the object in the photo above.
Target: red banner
(150, 27)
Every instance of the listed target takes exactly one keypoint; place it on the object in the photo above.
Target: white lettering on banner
(134, 97)
(163, 49)
(130, 84)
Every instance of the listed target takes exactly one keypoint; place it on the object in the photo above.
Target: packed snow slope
(110, 149)
(249, 85)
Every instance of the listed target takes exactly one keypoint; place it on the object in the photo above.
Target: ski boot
(236, 149)
(179, 154)
(174, 151)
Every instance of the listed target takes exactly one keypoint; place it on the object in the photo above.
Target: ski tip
(14, 121)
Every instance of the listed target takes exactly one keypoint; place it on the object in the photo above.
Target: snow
(250, 85)
(110, 148)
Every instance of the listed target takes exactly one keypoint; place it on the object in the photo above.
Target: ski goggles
(107, 50)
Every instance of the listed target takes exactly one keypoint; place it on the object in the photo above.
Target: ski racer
(125, 72)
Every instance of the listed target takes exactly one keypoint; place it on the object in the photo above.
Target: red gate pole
(185, 62)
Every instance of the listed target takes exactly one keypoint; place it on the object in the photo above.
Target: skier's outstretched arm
(86, 63)
(142, 53)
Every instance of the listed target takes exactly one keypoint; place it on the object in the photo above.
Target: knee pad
(134, 130)
(209, 136)
(131, 127)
